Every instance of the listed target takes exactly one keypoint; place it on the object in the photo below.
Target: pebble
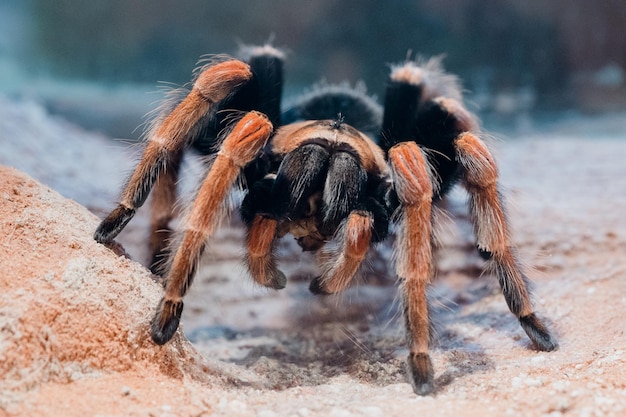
(370, 411)
(561, 386)
(339, 412)
(538, 359)
(533, 382)
(520, 381)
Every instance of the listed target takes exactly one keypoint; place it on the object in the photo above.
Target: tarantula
(334, 167)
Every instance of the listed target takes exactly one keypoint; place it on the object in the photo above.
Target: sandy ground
(73, 314)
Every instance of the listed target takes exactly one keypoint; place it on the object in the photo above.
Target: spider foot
(317, 287)
(538, 333)
(484, 254)
(421, 374)
(166, 320)
(267, 275)
(277, 281)
(113, 224)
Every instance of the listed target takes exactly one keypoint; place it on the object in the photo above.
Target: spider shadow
(462, 363)
(323, 338)
(360, 335)
(463, 328)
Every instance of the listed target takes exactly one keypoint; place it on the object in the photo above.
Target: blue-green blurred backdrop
(528, 58)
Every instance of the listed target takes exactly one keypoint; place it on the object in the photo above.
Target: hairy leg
(491, 229)
(355, 237)
(170, 137)
(164, 197)
(413, 185)
(261, 257)
(242, 144)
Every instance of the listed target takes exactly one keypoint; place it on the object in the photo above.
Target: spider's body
(333, 167)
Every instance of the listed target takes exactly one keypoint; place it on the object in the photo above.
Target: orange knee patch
(465, 121)
(474, 156)
(411, 173)
(219, 80)
(247, 138)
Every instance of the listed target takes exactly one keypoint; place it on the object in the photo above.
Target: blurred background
(522, 63)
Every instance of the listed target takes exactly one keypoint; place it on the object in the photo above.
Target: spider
(334, 167)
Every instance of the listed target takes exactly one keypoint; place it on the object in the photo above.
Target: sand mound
(70, 308)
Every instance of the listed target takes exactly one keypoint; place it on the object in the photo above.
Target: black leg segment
(344, 189)
(401, 105)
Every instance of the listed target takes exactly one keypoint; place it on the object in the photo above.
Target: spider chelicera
(333, 167)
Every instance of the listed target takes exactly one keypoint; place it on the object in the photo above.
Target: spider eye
(337, 123)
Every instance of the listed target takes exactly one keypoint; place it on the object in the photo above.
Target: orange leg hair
(241, 146)
(170, 138)
(490, 227)
(261, 258)
(414, 188)
(355, 236)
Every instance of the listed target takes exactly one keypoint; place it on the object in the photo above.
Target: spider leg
(261, 258)
(490, 226)
(355, 236)
(240, 147)
(164, 195)
(275, 198)
(170, 138)
(343, 194)
(413, 186)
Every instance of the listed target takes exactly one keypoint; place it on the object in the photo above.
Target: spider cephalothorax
(333, 167)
